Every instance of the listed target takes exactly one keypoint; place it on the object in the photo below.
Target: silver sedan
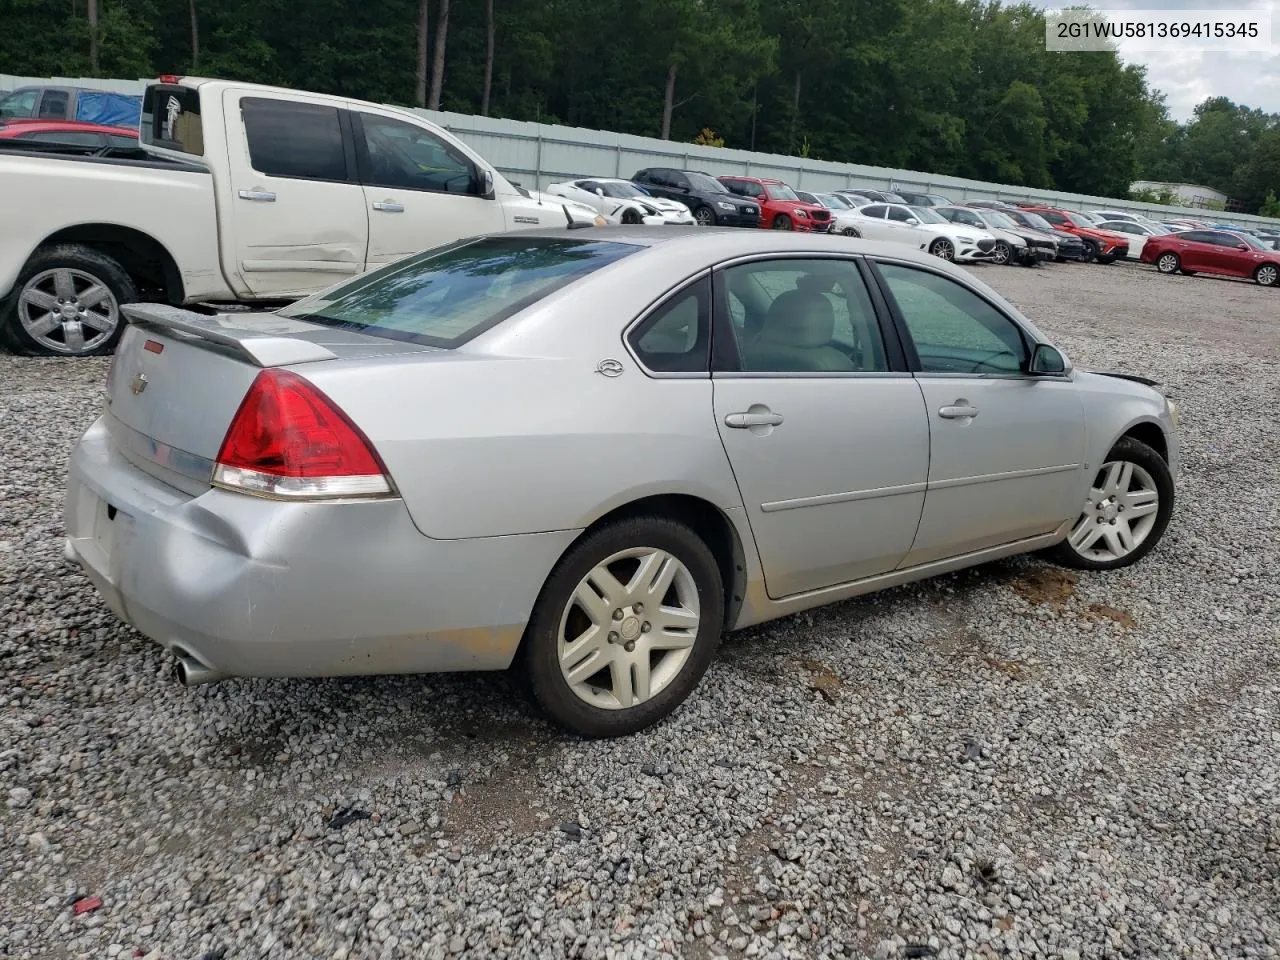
(588, 454)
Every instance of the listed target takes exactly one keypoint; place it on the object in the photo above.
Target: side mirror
(1047, 361)
(913, 221)
(1242, 246)
(486, 184)
(599, 191)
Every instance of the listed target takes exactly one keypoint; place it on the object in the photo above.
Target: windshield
(704, 184)
(1079, 219)
(445, 296)
(621, 190)
(1036, 222)
(780, 191)
(926, 215)
(832, 201)
(995, 218)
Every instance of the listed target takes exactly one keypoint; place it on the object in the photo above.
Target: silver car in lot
(585, 456)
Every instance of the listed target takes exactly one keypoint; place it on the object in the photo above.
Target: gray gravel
(1009, 762)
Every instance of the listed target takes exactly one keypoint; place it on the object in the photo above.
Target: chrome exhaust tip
(190, 672)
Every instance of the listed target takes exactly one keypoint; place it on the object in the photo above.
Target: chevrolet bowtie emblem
(139, 383)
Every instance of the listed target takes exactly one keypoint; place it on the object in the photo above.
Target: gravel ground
(1008, 762)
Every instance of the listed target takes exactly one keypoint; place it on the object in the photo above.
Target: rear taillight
(288, 440)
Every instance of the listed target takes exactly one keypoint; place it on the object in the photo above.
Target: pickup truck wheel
(68, 303)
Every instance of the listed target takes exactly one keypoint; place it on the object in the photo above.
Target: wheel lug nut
(617, 614)
(638, 608)
(630, 646)
(613, 637)
(646, 627)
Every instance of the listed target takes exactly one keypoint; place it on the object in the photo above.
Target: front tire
(782, 222)
(705, 216)
(1002, 253)
(1168, 263)
(944, 248)
(1125, 514)
(68, 303)
(625, 627)
(1090, 252)
(1266, 275)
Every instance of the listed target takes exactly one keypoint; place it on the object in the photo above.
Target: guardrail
(537, 154)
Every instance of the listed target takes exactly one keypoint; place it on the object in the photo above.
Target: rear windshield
(446, 296)
(171, 119)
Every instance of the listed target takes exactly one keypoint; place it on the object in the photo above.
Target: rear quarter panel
(520, 434)
(44, 195)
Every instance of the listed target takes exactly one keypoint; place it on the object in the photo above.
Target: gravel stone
(1122, 802)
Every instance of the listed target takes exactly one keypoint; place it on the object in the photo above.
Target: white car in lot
(844, 219)
(621, 201)
(950, 241)
(1138, 233)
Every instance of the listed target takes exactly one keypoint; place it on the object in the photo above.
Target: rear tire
(584, 668)
(1267, 275)
(66, 303)
(1110, 532)
(851, 232)
(1168, 263)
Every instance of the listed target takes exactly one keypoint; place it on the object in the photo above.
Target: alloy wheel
(1119, 514)
(1002, 253)
(1267, 275)
(68, 311)
(1168, 263)
(705, 217)
(629, 628)
(944, 249)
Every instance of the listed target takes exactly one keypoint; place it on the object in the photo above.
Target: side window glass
(679, 180)
(876, 210)
(676, 338)
(403, 155)
(53, 105)
(954, 330)
(1196, 236)
(735, 187)
(291, 139)
(21, 104)
(803, 316)
(901, 214)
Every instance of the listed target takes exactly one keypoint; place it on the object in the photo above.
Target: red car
(1101, 245)
(1214, 251)
(780, 208)
(68, 132)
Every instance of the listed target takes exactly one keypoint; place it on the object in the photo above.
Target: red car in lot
(67, 132)
(780, 208)
(1214, 251)
(1104, 245)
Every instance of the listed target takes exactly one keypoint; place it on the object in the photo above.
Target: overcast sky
(1188, 78)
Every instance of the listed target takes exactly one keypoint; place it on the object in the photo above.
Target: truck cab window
(399, 154)
(286, 138)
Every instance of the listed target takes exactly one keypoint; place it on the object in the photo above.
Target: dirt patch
(1101, 611)
(1046, 585)
(823, 679)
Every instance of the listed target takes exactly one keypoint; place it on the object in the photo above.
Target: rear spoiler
(260, 338)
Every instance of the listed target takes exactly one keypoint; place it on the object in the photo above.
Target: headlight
(724, 206)
(801, 213)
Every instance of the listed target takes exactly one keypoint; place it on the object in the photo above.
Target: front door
(420, 190)
(295, 213)
(826, 432)
(1007, 450)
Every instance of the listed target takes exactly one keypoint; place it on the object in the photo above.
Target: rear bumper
(253, 587)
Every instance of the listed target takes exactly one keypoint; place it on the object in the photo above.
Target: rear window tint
(171, 119)
(297, 140)
(446, 296)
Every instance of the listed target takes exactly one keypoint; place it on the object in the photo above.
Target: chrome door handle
(388, 206)
(744, 421)
(959, 410)
(257, 193)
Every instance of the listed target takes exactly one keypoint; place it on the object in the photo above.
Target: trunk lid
(179, 377)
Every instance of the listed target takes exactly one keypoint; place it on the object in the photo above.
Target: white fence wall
(536, 154)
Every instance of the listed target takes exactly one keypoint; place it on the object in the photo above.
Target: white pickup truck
(240, 194)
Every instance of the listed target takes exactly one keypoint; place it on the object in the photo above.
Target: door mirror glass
(486, 183)
(599, 191)
(1242, 246)
(913, 221)
(1046, 361)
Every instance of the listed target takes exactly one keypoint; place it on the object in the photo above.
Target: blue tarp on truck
(111, 109)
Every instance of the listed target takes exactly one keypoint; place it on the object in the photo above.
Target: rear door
(826, 431)
(876, 226)
(1197, 252)
(295, 215)
(420, 190)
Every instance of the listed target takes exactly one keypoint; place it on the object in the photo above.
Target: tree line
(957, 87)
